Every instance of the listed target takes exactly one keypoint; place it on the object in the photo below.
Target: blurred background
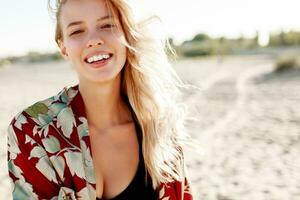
(243, 55)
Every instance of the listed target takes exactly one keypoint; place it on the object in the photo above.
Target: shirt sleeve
(187, 191)
(185, 185)
(29, 167)
(178, 189)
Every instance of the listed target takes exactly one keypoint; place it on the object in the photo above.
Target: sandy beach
(246, 123)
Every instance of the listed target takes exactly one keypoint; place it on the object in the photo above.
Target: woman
(118, 133)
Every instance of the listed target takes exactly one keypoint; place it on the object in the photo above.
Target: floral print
(49, 153)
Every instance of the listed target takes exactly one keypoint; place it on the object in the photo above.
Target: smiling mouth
(93, 61)
(97, 63)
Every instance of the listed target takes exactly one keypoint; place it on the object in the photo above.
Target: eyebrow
(80, 22)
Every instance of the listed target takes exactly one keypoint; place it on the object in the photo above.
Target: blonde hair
(154, 93)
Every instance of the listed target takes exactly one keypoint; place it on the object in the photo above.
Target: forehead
(82, 10)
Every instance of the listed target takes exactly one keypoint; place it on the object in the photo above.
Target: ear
(63, 50)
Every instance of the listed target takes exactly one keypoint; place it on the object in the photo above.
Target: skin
(112, 133)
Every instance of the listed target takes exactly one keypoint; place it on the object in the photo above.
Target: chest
(115, 156)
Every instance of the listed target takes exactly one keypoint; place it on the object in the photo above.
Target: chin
(104, 78)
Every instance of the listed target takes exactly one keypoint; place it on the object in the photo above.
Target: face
(92, 41)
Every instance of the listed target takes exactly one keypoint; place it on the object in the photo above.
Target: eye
(76, 32)
(108, 26)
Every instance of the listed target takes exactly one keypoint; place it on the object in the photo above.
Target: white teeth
(100, 57)
(97, 58)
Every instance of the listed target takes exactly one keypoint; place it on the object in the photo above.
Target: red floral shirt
(49, 153)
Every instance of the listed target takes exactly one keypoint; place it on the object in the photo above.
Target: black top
(138, 189)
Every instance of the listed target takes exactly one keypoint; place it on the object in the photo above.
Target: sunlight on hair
(142, 12)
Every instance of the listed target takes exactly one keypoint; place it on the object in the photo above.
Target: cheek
(119, 41)
(74, 47)
(115, 37)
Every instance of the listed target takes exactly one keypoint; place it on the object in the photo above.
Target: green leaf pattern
(13, 147)
(55, 108)
(21, 120)
(88, 163)
(45, 166)
(23, 190)
(87, 191)
(66, 121)
(82, 129)
(51, 144)
(72, 159)
(36, 109)
(59, 165)
(37, 152)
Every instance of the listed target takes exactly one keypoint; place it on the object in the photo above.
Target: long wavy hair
(153, 90)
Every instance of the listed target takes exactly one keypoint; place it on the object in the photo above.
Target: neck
(104, 105)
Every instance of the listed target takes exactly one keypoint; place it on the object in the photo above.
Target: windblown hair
(153, 90)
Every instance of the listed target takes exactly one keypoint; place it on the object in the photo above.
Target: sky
(26, 25)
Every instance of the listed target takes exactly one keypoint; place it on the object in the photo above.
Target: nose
(94, 40)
